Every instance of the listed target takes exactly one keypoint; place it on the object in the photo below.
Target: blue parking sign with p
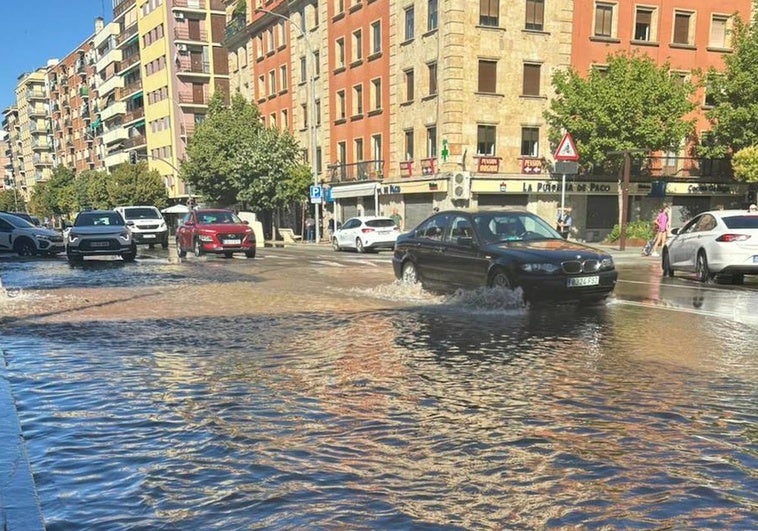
(315, 194)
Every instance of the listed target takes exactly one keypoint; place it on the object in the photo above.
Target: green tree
(135, 184)
(633, 104)
(11, 200)
(91, 190)
(745, 164)
(56, 195)
(734, 95)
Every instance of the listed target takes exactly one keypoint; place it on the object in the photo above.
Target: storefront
(352, 200)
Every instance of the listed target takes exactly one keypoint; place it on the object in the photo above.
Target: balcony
(131, 88)
(116, 135)
(114, 109)
(84, 92)
(134, 141)
(108, 86)
(128, 62)
(110, 30)
(114, 159)
(45, 160)
(36, 94)
(121, 7)
(187, 130)
(39, 144)
(235, 26)
(36, 111)
(134, 115)
(183, 33)
(187, 98)
(367, 170)
(112, 56)
(189, 5)
(190, 67)
(127, 35)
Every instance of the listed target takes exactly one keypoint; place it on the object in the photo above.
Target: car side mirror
(130, 223)
(675, 231)
(246, 222)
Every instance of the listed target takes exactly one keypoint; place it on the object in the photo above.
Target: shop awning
(353, 190)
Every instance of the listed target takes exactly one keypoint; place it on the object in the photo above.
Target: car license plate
(149, 236)
(232, 242)
(577, 282)
(99, 244)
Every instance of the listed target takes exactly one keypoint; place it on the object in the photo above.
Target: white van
(147, 224)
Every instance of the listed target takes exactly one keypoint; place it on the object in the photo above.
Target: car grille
(99, 245)
(147, 227)
(572, 267)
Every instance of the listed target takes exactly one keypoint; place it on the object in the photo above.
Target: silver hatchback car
(716, 243)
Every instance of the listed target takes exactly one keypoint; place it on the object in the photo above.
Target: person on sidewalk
(310, 229)
(565, 221)
(661, 226)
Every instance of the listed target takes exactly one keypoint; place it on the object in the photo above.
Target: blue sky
(34, 31)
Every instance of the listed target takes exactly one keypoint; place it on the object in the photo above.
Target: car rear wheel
(197, 248)
(701, 269)
(165, 244)
(181, 253)
(228, 254)
(410, 273)
(336, 244)
(129, 257)
(24, 247)
(74, 258)
(666, 260)
(359, 246)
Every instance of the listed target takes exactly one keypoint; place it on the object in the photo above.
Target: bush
(638, 229)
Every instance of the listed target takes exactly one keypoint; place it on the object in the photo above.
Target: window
(272, 120)
(261, 87)
(283, 33)
(530, 142)
(682, 27)
(409, 85)
(357, 100)
(271, 82)
(604, 20)
(432, 78)
(531, 80)
(489, 12)
(358, 149)
(535, 15)
(376, 37)
(339, 6)
(357, 45)
(485, 140)
(303, 70)
(488, 76)
(285, 120)
(283, 77)
(315, 16)
(431, 142)
(316, 65)
(340, 53)
(431, 20)
(376, 94)
(643, 25)
(341, 152)
(340, 104)
(376, 150)
(409, 144)
(304, 109)
(719, 32)
(317, 110)
(408, 23)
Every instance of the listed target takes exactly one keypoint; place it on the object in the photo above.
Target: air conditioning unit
(179, 15)
(181, 48)
(460, 185)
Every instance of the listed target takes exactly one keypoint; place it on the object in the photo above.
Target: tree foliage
(11, 200)
(233, 157)
(633, 104)
(734, 95)
(745, 164)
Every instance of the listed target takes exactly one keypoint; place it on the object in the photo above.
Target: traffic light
(132, 157)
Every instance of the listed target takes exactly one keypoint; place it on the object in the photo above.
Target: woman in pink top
(661, 229)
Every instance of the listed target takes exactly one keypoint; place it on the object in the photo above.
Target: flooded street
(307, 389)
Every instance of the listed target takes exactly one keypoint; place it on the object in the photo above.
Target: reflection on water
(435, 415)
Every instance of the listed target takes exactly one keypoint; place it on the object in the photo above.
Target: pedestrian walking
(660, 226)
(565, 222)
(310, 229)
(397, 219)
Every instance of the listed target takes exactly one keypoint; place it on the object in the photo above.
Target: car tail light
(733, 238)
(366, 230)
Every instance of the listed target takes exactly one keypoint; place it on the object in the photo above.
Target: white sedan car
(366, 233)
(721, 243)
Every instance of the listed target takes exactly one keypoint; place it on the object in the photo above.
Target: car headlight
(43, 237)
(126, 234)
(204, 238)
(540, 268)
(606, 263)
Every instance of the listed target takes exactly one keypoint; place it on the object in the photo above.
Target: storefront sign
(488, 164)
(388, 189)
(531, 166)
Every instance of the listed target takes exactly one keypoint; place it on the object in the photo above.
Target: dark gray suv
(100, 232)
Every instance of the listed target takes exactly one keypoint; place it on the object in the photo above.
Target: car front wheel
(410, 273)
(250, 253)
(701, 269)
(197, 248)
(181, 253)
(499, 279)
(667, 270)
(336, 244)
(25, 247)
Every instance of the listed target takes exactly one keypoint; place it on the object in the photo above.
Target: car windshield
(379, 223)
(209, 218)
(141, 213)
(496, 227)
(19, 223)
(741, 222)
(98, 218)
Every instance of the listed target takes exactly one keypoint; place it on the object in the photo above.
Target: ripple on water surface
(433, 415)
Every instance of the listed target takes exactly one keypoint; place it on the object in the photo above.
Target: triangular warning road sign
(566, 149)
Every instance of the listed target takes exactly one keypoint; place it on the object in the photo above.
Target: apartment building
(237, 41)
(72, 81)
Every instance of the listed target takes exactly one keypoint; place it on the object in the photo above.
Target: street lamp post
(312, 112)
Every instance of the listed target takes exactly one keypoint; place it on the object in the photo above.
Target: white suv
(148, 225)
(20, 236)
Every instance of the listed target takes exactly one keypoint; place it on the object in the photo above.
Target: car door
(6, 236)
(682, 251)
(429, 248)
(184, 231)
(348, 233)
(461, 263)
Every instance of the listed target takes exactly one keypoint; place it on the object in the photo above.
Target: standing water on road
(420, 414)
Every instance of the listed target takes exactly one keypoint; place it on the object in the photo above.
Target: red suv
(214, 230)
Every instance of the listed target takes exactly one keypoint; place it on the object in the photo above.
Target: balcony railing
(134, 141)
(135, 114)
(127, 34)
(235, 25)
(188, 97)
(189, 4)
(194, 67)
(187, 129)
(663, 167)
(131, 88)
(367, 170)
(129, 61)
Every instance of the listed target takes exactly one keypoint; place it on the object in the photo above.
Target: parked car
(25, 239)
(366, 233)
(99, 232)
(34, 220)
(502, 248)
(717, 243)
(214, 230)
(149, 227)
